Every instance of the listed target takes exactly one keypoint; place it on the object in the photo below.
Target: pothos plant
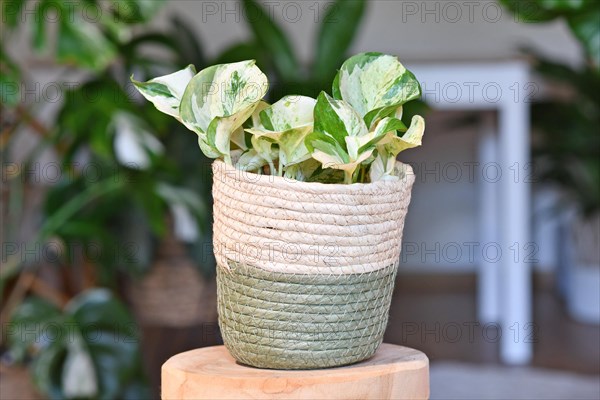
(352, 136)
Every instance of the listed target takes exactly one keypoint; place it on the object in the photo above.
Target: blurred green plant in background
(582, 17)
(144, 167)
(567, 151)
(94, 352)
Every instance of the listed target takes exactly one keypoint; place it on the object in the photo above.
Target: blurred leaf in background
(582, 16)
(567, 149)
(10, 78)
(106, 43)
(274, 53)
(89, 349)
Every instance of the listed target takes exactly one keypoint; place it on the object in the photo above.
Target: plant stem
(280, 171)
(348, 177)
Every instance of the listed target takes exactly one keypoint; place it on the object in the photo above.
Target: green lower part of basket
(295, 321)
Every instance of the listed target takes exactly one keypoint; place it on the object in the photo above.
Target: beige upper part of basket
(283, 225)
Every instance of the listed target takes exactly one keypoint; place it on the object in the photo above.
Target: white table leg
(488, 285)
(514, 152)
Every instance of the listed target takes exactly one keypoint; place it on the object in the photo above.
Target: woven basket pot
(305, 271)
(173, 293)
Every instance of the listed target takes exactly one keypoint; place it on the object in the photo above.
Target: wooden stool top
(394, 372)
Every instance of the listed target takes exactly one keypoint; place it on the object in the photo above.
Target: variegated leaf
(165, 92)
(219, 99)
(240, 137)
(287, 122)
(376, 85)
(339, 136)
(394, 144)
(384, 128)
(302, 171)
(383, 166)
(250, 160)
(266, 148)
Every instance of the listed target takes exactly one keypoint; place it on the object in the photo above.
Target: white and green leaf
(384, 165)
(219, 99)
(302, 171)
(266, 149)
(339, 136)
(165, 92)
(240, 137)
(338, 119)
(375, 85)
(251, 160)
(287, 122)
(413, 137)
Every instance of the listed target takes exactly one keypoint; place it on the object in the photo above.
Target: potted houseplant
(309, 204)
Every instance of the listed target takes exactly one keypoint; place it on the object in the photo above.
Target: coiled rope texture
(305, 270)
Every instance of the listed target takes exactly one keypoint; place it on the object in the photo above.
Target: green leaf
(338, 119)
(372, 82)
(218, 100)
(530, 10)
(10, 80)
(272, 39)
(135, 11)
(39, 26)
(376, 115)
(564, 5)
(585, 27)
(333, 154)
(30, 324)
(11, 12)
(83, 44)
(340, 139)
(165, 92)
(110, 337)
(336, 33)
(46, 370)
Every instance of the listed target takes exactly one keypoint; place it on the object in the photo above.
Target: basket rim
(292, 184)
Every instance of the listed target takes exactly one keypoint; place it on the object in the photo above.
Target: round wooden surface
(394, 372)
